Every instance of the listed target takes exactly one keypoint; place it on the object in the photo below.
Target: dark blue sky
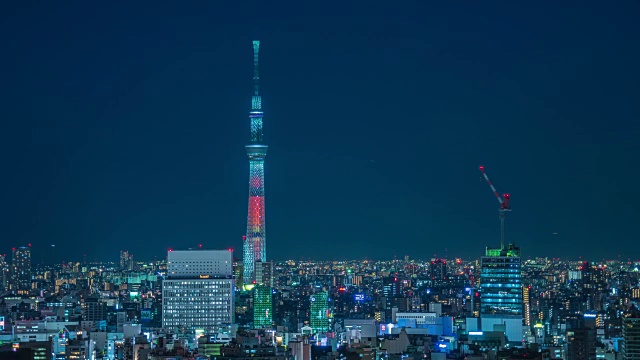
(124, 125)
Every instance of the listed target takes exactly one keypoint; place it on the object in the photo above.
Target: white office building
(198, 292)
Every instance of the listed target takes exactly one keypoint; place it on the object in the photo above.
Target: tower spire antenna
(256, 68)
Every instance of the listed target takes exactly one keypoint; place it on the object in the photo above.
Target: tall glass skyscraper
(501, 291)
(501, 282)
(320, 312)
(262, 307)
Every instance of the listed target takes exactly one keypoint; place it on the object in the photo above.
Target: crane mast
(504, 205)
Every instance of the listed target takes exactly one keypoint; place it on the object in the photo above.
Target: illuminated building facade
(526, 305)
(21, 270)
(262, 307)
(320, 312)
(501, 282)
(198, 292)
(254, 247)
(501, 291)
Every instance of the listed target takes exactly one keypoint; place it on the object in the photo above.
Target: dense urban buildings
(199, 304)
(191, 295)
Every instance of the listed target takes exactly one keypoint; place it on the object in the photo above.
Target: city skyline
(131, 138)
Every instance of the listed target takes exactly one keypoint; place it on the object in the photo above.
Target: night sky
(124, 125)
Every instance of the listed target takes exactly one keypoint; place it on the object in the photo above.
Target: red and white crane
(504, 205)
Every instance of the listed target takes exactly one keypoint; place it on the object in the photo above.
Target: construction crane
(504, 205)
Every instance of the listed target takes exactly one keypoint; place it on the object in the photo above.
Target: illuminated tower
(319, 312)
(262, 307)
(254, 247)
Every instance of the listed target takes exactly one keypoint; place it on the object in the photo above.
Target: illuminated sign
(590, 315)
(475, 333)
(442, 346)
(204, 276)
(359, 297)
(1, 323)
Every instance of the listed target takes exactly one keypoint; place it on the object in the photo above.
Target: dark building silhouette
(631, 335)
(21, 270)
(581, 344)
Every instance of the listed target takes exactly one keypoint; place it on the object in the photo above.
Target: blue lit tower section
(254, 247)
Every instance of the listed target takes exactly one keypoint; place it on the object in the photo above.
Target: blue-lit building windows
(501, 285)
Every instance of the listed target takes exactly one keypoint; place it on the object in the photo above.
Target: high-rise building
(581, 344)
(501, 291)
(262, 307)
(631, 335)
(93, 309)
(501, 282)
(4, 272)
(391, 290)
(238, 271)
(526, 305)
(21, 270)
(254, 247)
(198, 292)
(319, 312)
(438, 271)
(264, 273)
(126, 261)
